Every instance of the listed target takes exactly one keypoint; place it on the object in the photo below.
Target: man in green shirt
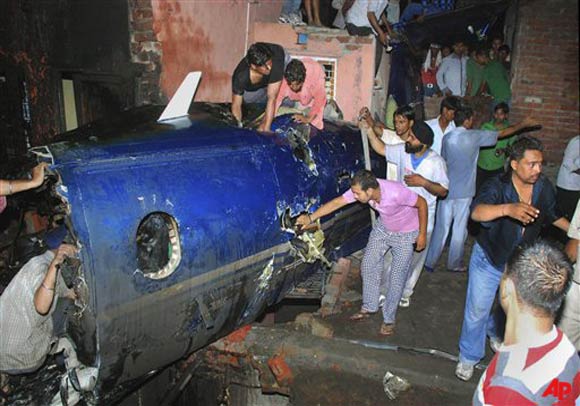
(474, 69)
(492, 159)
(497, 81)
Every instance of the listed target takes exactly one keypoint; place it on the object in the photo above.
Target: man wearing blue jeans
(290, 13)
(512, 208)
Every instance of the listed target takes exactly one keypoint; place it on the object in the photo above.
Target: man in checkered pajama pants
(380, 242)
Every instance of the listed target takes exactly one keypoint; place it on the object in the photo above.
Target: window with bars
(329, 66)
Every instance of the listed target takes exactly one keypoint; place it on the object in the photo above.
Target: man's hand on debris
(38, 174)
(301, 118)
(305, 222)
(262, 127)
(64, 250)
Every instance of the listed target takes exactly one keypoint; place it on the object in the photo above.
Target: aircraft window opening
(158, 245)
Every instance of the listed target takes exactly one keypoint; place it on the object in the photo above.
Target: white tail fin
(179, 104)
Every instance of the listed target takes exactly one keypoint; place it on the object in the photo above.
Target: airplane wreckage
(186, 229)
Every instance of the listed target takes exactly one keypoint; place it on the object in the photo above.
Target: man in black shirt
(512, 208)
(257, 79)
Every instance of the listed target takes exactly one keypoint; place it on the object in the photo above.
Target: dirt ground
(432, 321)
(335, 361)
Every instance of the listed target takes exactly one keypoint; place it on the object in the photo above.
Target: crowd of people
(513, 207)
(477, 70)
(440, 174)
(414, 10)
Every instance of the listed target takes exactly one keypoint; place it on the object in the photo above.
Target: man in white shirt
(443, 124)
(452, 73)
(362, 19)
(403, 117)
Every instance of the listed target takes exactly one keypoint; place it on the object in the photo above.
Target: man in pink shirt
(403, 222)
(304, 82)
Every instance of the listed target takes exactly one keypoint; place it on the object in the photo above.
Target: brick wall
(146, 53)
(545, 69)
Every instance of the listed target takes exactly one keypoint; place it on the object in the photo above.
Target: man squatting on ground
(522, 194)
(257, 79)
(403, 222)
(422, 170)
(461, 151)
(536, 364)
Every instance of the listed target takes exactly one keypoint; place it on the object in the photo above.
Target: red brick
(363, 40)
(352, 47)
(281, 370)
(142, 25)
(141, 13)
(144, 36)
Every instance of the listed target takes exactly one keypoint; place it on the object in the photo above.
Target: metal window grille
(329, 66)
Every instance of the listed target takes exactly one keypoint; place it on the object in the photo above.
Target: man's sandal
(359, 316)
(387, 329)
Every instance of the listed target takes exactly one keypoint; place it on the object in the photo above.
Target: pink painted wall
(355, 59)
(206, 35)
(212, 36)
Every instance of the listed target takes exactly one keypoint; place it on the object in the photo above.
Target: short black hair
(503, 107)
(258, 54)
(504, 47)
(295, 71)
(523, 144)
(450, 103)
(365, 179)
(464, 113)
(406, 111)
(541, 275)
(482, 51)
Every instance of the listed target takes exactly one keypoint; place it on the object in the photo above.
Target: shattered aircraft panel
(185, 229)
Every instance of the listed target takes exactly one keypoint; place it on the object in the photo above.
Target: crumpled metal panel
(226, 188)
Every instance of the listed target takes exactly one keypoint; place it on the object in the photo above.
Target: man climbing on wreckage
(257, 79)
(402, 229)
(303, 88)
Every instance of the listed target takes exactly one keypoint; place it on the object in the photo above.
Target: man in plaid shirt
(26, 308)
